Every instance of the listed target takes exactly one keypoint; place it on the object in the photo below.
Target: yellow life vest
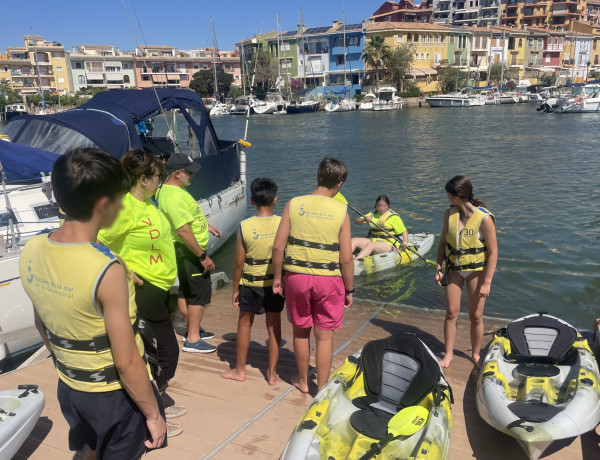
(464, 250)
(313, 244)
(61, 280)
(376, 234)
(258, 234)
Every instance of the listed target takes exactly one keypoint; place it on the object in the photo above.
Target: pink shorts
(315, 300)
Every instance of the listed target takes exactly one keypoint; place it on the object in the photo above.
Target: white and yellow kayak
(420, 242)
(539, 383)
(352, 411)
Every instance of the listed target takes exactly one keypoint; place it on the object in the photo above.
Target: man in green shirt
(190, 231)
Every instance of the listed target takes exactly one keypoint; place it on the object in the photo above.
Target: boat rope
(285, 394)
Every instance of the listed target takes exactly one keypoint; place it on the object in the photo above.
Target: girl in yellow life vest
(469, 248)
(377, 240)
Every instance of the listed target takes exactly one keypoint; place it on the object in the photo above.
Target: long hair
(462, 187)
(382, 198)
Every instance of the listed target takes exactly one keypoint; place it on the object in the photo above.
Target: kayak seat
(537, 370)
(540, 339)
(398, 372)
(533, 411)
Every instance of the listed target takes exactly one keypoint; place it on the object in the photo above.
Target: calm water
(538, 173)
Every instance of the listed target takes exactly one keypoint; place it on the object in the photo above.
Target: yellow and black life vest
(376, 234)
(464, 250)
(62, 280)
(258, 234)
(313, 244)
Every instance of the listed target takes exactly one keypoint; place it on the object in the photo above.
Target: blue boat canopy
(25, 164)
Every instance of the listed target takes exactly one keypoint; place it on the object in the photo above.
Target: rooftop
(391, 25)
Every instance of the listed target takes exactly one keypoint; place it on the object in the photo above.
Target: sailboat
(217, 107)
(273, 102)
(344, 104)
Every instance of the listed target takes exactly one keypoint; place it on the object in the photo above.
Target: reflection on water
(538, 173)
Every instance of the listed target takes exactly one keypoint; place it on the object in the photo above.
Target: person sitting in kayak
(378, 241)
(469, 248)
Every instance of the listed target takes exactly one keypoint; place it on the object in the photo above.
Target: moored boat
(587, 100)
(507, 97)
(464, 98)
(387, 99)
(340, 105)
(301, 106)
(272, 104)
(12, 110)
(419, 242)
(367, 101)
(242, 105)
(539, 383)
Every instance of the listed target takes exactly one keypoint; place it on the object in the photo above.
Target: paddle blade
(408, 421)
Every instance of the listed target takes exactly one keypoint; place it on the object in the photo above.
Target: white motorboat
(242, 105)
(367, 101)
(522, 91)
(11, 110)
(301, 106)
(507, 97)
(387, 99)
(491, 96)
(209, 102)
(464, 98)
(272, 104)
(587, 101)
(340, 105)
(219, 109)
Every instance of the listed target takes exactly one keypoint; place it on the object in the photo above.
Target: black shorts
(108, 422)
(259, 300)
(194, 282)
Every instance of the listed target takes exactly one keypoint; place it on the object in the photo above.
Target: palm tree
(5, 86)
(376, 52)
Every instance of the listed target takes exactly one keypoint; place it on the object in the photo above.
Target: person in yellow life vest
(84, 308)
(378, 241)
(469, 248)
(253, 279)
(141, 235)
(313, 246)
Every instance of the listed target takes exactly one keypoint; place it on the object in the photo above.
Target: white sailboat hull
(455, 101)
(365, 106)
(587, 106)
(380, 106)
(344, 106)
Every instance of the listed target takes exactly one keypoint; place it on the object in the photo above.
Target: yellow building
(592, 29)
(20, 65)
(515, 52)
(542, 13)
(429, 41)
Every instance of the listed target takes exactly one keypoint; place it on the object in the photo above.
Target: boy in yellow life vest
(84, 308)
(253, 279)
(313, 247)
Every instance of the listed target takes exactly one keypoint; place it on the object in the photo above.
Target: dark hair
(331, 172)
(264, 191)
(461, 187)
(140, 163)
(382, 198)
(82, 176)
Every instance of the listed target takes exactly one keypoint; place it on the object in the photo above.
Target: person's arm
(40, 327)
(363, 220)
(214, 231)
(346, 260)
(113, 300)
(441, 252)
(188, 238)
(399, 228)
(488, 229)
(283, 233)
(405, 238)
(238, 267)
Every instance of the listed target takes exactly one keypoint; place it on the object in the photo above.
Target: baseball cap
(181, 161)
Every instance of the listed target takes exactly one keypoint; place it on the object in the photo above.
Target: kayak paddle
(405, 423)
(391, 235)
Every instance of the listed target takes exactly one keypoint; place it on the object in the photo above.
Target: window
(408, 38)
(184, 77)
(422, 56)
(228, 66)
(145, 78)
(205, 66)
(594, 45)
(125, 65)
(452, 39)
(81, 80)
(57, 55)
(286, 63)
(78, 65)
(596, 59)
(389, 18)
(530, 42)
(436, 38)
(540, 43)
(437, 58)
(61, 80)
(352, 41)
(59, 69)
(430, 38)
(547, 59)
(443, 39)
(237, 77)
(126, 79)
(196, 66)
(340, 59)
(401, 38)
(156, 69)
(416, 38)
(427, 56)
(285, 47)
(423, 38)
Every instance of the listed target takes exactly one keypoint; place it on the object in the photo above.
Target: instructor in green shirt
(190, 231)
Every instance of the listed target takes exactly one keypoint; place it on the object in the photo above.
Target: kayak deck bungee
(352, 411)
(539, 383)
(420, 242)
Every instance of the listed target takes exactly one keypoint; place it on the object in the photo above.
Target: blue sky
(180, 23)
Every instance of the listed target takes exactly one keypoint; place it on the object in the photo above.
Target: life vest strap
(98, 344)
(310, 244)
(253, 278)
(251, 261)
(467, 267)
(463, 252)
(377, 233)
(306, 264)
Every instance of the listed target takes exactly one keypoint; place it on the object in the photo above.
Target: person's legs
(476, 306)
(359, 243)
(366, 250)
(324, 355)
(89, 455)
(274, 330)
(182, 305)
(302, 354)
(200, 290)
(195, 315)
(243, 344)
(381, 247)
(453, 295)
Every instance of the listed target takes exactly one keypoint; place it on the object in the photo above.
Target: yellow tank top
(61, 280)
(464, 249)
(258, 234)
(313, 244)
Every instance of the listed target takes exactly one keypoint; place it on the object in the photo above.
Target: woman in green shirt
(377, 240)
(141, 235)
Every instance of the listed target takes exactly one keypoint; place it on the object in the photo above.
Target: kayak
(353, 409)
(19, 412)
(420, 242)
(539, 383)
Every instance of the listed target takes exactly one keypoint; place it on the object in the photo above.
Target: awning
(432, 86)
(158, 78)
(114, 76)
(175, 77)
(94, 76)
(422, 71)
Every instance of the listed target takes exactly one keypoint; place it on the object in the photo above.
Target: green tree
(398, 62)
(5, 85)
(451, 78)
(376, 53)
(496, 74)
(265, 71)
(203, 82)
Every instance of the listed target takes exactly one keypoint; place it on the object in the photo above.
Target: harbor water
(538, 173)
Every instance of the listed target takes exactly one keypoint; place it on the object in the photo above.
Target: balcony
(490, 7)
(515, 63)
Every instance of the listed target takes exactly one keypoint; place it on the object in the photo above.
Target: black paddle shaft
(377, 447)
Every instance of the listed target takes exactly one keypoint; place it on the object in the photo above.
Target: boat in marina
(209, 102)
(586, 100)
(220, 108)
(387, 99)
(507, 97)
(491, 96)
(367, 101)
(12, 110)
(272, 104)
(340, 105)
(301, 106)
(242, 105)
(20, 410)
(108, 121)
(463, 98)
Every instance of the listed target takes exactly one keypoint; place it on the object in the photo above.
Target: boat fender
(518, 94)
(579, 100)
(307, 425)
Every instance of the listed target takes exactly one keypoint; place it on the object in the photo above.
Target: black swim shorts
(259, 300)
(194, 282)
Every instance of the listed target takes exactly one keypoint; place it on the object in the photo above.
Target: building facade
(346, 63)
(480, 13)
(100, 66)
(542, 13)
(404, 11)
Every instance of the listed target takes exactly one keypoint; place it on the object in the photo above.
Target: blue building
(346, 58)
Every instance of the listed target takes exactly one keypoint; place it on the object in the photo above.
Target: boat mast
(278, 46)
(487, 57)
(243, 66)
(345, 49)
(37, 68)
(502, 63)
(214, 52)
(303, 53)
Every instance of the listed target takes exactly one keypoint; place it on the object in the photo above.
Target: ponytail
(476, 202)
(461, 187)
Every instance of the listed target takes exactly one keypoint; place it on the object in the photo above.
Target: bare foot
(445, 363)
(234, 374)
(476, 360)
(303, 387)
(272, 378)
